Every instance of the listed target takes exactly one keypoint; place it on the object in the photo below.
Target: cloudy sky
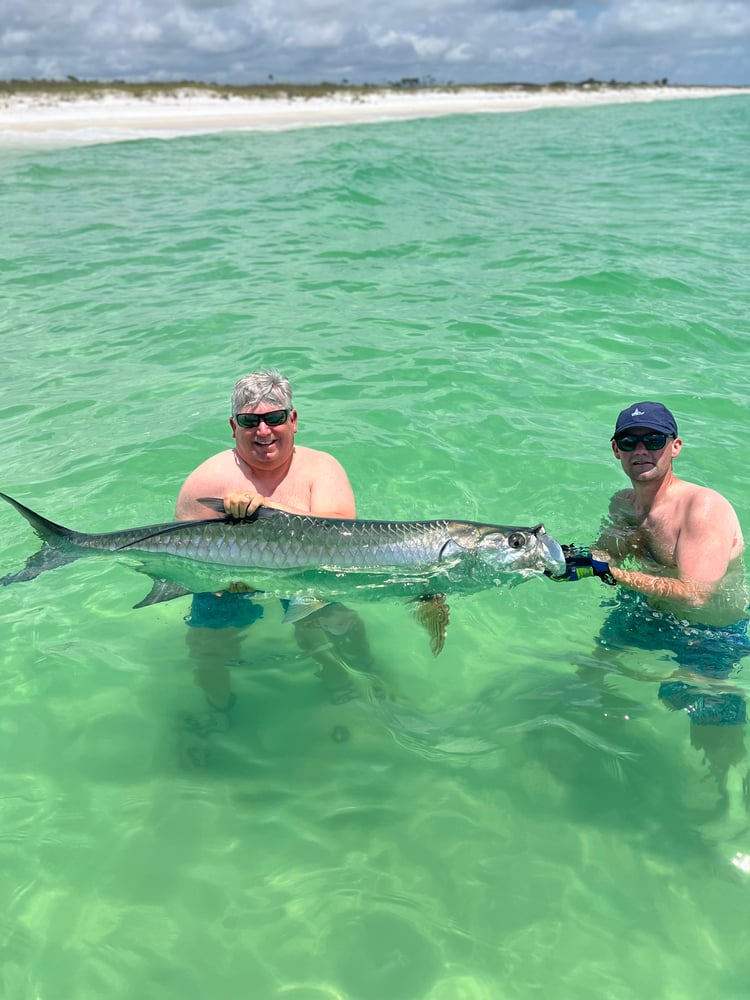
(360, 41)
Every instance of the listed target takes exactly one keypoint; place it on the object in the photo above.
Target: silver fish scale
(358, 545)
(273, 543)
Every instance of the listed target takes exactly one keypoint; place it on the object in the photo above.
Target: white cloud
(428, 46)
(460, 54)
(325, 35)
(149, 33)
(16, 39)
(705, 20)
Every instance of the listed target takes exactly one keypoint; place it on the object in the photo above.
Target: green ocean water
(463, 305)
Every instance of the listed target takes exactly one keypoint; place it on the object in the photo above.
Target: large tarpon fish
(310, 559)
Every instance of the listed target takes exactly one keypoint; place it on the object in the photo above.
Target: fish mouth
(552, 552)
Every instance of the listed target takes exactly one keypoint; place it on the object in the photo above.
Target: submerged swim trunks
(705, 649)
(224, 610)
(720, 709)
(227, 609)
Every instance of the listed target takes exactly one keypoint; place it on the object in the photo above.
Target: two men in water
(266, 467)
(687, 594)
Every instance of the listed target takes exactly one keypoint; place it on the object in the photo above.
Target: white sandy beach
(48, 120)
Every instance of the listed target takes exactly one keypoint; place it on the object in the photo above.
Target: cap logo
(637, 413)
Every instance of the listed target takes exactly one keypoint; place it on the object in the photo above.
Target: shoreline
(41, 118)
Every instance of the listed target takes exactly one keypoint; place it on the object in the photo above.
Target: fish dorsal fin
(213, 503)
(433, 613)
(217, 504)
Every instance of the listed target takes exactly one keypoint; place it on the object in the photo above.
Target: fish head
(520, 550)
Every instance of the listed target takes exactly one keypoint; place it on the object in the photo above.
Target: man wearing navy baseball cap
(654, 416)
(687, 538)
(675, 548)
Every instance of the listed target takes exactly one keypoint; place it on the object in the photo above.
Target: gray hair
(268, 386)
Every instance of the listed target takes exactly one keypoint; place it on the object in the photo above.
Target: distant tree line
(72, 87)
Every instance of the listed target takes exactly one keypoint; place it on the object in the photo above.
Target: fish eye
(517, 540)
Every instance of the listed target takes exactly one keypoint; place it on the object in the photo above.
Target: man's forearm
(689, 592)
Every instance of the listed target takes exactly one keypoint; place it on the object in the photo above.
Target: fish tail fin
(50, 556)
(47, 530)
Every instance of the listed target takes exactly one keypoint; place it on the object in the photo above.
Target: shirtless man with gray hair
(267, 468)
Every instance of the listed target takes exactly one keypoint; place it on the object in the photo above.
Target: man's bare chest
(654, 537)
(290, 489)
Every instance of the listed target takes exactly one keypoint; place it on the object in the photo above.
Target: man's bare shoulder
(330, 492)
(701, 499)
(703, 494)
(214, 477)
(221, 460)
(706, 504)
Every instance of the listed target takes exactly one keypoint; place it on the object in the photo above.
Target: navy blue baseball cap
(654, 416)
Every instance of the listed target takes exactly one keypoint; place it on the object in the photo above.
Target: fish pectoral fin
(300, 608)
(433, 613)
(162, 590)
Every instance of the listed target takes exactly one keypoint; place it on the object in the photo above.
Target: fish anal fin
(162, 590)
(433, 614)
(300, 608)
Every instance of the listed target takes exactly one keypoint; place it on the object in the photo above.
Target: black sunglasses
(652, 441)
(272, 419)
